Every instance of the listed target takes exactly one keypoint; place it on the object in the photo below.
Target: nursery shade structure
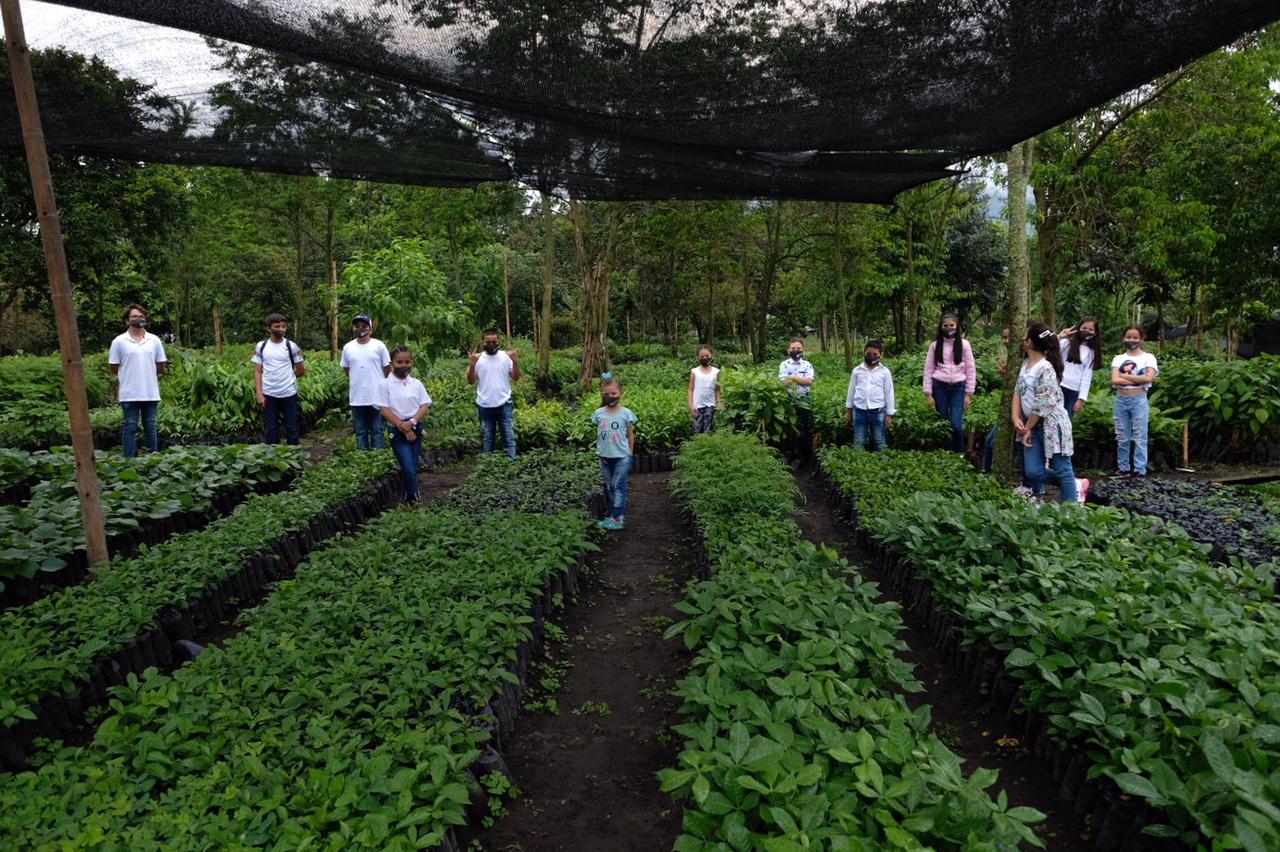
(853, 100)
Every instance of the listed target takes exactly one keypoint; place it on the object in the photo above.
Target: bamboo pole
(333, 309)
(506, 289)
(55, 259)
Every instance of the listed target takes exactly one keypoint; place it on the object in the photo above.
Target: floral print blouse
(1042, 395)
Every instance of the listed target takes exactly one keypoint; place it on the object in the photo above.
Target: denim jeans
(704, 420)
(1069, 398)
(989, 450)
(493, 418)
(870, 422)
(278, 407)
(369, 433)
(1035, 471)
(1130, 415)
(129, 436)
(615, 473)
(407, 453)
(801, 446)
(1036, 450)
(948, 398)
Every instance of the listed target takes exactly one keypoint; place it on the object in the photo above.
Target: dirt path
(962, 718)
(586, 771)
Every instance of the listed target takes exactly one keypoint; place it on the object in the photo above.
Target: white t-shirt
(137, 360)
(278, 379)
(704, 387)
(1142, 365)
(1077, 377)
(402, 396)
(365, 361)
(493, 379)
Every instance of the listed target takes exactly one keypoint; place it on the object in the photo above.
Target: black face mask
(871, 360)
(1086, 336)
(1133, 344)
(949, 333)
(796, 354)
(610, 400)
(138, 323)
(362, 333)
(277, 335)
(401, 372)
(704, 361)
(491, 348)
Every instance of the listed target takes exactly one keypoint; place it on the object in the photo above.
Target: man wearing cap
(366, 362)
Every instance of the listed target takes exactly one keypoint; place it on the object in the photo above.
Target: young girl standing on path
(950, 377)
(403, 402)
(1132, 374)
(704, 392)
(1046, 429)
(1081, 354)
(615, 445)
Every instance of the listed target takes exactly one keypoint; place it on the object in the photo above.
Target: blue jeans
(490, 420)
(1131, 414)
(989, 450)
(278, 407)
(615, 473)
(129, 436)
(1037, 450)
(1035, 471)
(407, 453)
(867, 421)
(368, 420)
(948, 398)
(1069, 398)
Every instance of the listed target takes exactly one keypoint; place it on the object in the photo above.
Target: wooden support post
(55, 259)
(506, 290)
(333, 310)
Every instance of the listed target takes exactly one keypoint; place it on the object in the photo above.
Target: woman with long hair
(1081, 355)
(1132, 374)
(1040, 417)
(950, 377)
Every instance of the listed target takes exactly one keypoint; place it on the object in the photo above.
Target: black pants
(801, 446)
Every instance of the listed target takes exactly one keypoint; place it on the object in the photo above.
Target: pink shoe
(1082, 490)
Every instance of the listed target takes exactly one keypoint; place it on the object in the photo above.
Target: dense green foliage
(797, 734)
(1119, 629)
(43, 533)
(1235, 403)
(48, 645)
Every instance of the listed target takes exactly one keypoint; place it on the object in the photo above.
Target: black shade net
(853, 100)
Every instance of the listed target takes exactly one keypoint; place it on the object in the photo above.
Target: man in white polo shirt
(366, 362)
(137, 358)
(492, 372)
(277, 366)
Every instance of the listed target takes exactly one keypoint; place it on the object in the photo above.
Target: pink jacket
(949, 371)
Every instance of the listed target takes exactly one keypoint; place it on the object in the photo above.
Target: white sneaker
(1023, 491)
(1082, 490)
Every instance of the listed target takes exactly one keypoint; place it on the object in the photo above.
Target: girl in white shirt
(704, 392)
(1132, 374)
(1081, 355)
(404, 402)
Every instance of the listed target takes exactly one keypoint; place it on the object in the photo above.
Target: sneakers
(1023, 491)
(1082, 490)
(612, 523)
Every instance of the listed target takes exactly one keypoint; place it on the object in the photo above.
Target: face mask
(401, 372)
(1133, 344)
(138, 323)
(610, 400)
(796, 354)
(704, 361)
(871, 360)
(362, 333)
(277, 335)
(949, 333)
(1086, 336)
(491, 348)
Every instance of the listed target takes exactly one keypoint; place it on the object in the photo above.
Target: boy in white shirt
(796, 374)
(137, 358)
(870, 405)
(366, 362)
(492, 372)
(277, 366)
(404, 402)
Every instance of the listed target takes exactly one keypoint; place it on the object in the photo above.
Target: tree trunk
(332, 266)
(838, 240)
(1015, 305)
(548, 276)
(217, 328)
(764, 293)
(506, 289)
(595, 272)
(1049, 250)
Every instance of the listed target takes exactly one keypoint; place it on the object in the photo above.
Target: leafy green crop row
(43, 534)
(336, 719)
(797, 736)
(1117, 630)
(51, 645)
